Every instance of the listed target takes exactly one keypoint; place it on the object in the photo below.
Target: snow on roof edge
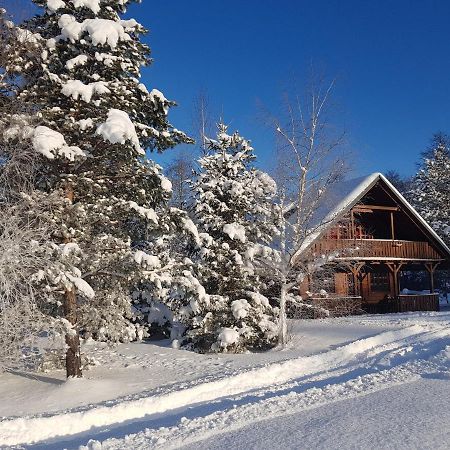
(354, 196)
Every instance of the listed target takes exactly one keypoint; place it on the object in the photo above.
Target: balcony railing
(404, 303)
(376, 248)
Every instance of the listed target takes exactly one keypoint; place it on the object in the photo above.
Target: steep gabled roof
(343, 196)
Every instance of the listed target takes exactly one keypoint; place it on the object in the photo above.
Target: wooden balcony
(376, 249)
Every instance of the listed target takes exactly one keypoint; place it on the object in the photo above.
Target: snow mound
(79, 60)
(33, 429)
(158, 97)
(148, 213)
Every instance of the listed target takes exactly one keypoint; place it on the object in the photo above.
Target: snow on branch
(118, 128)
(101, 31)
(235, 231)
(77, 89)
(51, 144)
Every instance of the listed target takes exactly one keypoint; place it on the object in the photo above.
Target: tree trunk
(282, 334)
(73, 355)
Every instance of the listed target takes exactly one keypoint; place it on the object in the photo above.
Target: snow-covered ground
(359, 382)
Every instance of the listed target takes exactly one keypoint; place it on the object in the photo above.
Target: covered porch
(384, 288)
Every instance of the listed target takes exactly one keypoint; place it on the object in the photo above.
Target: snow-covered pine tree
(430, 193)
(96, 119)
(236, 215)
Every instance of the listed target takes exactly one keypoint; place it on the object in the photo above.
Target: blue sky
(390, 59)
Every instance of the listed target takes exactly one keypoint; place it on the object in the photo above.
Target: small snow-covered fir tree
(95, 119)
(236, 215)
(430, 194)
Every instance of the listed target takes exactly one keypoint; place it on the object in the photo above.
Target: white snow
(166, 184)
(84, 124)
(93, 5)
(148, 213)
(79, 60)
(70, 248)
(235, 231)
(191, 228)
(159, 314)
(118, 128)
(54, 5)
(101, 31)
(212, 401)
(82, 286)
(227, 337)
(51, 143)
(240, 308)
(157, 96)
(77, 89)
(146, 260)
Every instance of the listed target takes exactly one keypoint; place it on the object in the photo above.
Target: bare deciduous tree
(311, 158)
(180, 172)
(21, 257)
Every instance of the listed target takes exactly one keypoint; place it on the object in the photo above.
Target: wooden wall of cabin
(373, 286)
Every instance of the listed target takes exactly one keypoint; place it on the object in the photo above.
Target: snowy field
(361, 382)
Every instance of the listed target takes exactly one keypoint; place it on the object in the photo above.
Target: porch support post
(431, 269)
(355, 269)
(395, 268)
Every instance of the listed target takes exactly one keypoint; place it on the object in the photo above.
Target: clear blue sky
(391, 59)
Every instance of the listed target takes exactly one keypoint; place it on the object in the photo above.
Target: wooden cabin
(374, 237)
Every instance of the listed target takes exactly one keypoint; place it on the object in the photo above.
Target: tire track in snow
(237, 417)
(30, 430)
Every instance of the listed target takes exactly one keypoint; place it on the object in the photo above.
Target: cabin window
(380, 282)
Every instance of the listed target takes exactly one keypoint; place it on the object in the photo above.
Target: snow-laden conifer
(430, 194)
(237, 219)
(94, 122)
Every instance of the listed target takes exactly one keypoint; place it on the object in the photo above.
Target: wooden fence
(404, 303)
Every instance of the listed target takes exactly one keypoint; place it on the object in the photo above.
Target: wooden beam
(352, 222)
(363, 208)
(392, 226)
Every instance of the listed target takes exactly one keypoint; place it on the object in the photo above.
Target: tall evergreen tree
(430, 194)
(235, 212)
(95, 122)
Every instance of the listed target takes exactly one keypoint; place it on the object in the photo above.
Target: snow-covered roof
(343, 195)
